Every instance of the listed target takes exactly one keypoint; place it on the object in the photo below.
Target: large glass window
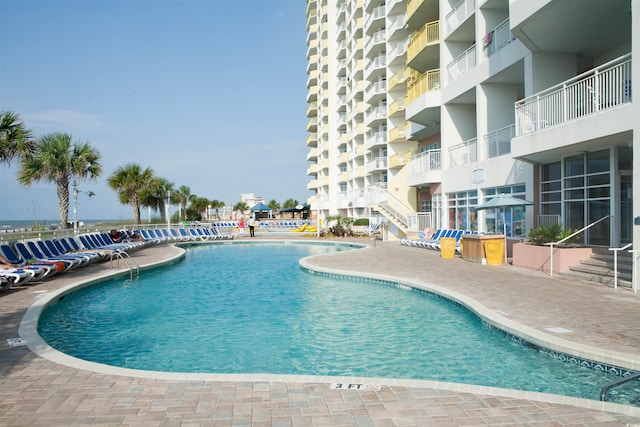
(509, 220)
(462, 214)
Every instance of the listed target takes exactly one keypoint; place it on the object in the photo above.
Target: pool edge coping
(28, 333)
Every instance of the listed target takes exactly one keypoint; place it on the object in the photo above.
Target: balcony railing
(498, 142)
(428, 35)
(379, 37)
(377, 163)
(379, 61)
(426, 82)
(426, 161)
(459, 14)
(464, 153)
(377, 13)
(600, 89)
(462, 64)
(377, 138)
(498, 38)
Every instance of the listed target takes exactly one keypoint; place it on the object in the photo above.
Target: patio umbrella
(504, 201)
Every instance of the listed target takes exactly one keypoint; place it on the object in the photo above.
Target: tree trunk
(136, 210)
(63, 202)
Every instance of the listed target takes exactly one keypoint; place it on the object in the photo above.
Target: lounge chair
(71, 263)
(25, 253)
(14, 258)
(46, 247)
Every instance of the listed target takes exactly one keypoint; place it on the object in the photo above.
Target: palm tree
(241, 207)
(217, 204)
(290, 203)
(155, 195)
(129, 181)
(275, 206)
(56, 159)
(15, 139)
(198, 208)
(181, 197)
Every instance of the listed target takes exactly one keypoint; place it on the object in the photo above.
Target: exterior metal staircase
(392, 208)
(598, 268)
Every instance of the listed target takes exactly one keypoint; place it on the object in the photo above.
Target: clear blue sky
(210, 94)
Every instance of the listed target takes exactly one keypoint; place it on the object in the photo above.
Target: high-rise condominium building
(421, 110)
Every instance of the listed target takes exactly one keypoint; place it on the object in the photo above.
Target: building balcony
(312, 185)
(419, 84)
(597, 90)
(377, 164)
(377, 39)
(376, 114)
(343, 158)
(343, 177)
(376, 139)
(425, 168)
(400, 160)
(397, 107)
(377, 88)
(497, 39)
(376, 14)
(312, 125)
(312, 170)
(312, 140)
(400, 77)
(428, 36)
(459, 14)
(464, 153)
(357, 152)
(462, 64)
(498, 142)
(357, 172)
(312, 109)
(312, 155)
(377, 63)
(398, 134)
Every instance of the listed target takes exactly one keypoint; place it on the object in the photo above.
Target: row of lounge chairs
(433, 242)
(41, 259)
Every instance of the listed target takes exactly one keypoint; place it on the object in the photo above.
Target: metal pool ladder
(126, 258)
(605, 389)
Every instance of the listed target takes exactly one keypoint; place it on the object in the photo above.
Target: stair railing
(552, 244)
(615, 263)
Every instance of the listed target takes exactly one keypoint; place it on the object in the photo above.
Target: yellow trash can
(447, 247)
(494, 251)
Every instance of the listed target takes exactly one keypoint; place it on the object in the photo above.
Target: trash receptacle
(494, 251)
(447, 247)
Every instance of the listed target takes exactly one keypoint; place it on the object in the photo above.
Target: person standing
(252, 227)
(241, 226)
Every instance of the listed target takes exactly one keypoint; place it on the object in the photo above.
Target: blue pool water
(250, 308)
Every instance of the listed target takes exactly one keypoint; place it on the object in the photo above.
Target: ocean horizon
(21, 224)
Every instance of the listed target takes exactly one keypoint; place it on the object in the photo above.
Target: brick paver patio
(36, 390)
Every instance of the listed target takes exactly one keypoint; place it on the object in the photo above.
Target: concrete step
(591, 278)
(622, 267)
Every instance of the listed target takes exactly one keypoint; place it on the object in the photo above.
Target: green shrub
(549, 234)
(361, 221)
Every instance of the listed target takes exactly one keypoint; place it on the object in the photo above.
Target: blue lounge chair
(14, 258)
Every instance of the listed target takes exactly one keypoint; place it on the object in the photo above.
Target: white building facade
(421, 110)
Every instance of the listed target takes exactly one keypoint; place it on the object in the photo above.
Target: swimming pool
(250, 308)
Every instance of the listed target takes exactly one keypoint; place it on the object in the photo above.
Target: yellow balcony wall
(344, 138)
(397, 106)
(312, 125)
(325, 181)
(312, 139)
(412, 6)
(344, 176)
(313, 153)
(397, 134)
(325, 164)
(398, 78)
(312, 185)
(312, 170)
(422, 84)
(344, 158)
(427, 36)
(312, 110)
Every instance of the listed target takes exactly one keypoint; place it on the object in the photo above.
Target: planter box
(537, 257)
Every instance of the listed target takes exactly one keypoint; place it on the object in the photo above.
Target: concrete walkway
(596, 321)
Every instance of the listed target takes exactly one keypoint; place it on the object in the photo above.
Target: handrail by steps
(552, 244)
(615, 263)
(120, 255)
(604, 390)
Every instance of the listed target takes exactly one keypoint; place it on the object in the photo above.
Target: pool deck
(589, 319)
